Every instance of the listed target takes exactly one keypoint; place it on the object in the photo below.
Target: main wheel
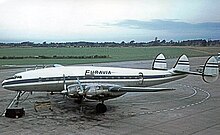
(79, 100)
(101, 108)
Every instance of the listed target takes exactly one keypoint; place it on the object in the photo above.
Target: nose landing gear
(15, 112)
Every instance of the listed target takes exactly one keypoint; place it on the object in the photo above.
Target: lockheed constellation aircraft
(103, 83)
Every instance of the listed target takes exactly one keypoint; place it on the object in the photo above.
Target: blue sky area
(108, 20)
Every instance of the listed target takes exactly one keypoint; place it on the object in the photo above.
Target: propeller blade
(80, 85)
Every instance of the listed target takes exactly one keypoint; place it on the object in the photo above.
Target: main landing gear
(101, 108)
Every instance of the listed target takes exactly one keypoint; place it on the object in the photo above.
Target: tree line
(132, 43)
(56, 57)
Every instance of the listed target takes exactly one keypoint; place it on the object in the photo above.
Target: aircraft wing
(138, 89)
(111, 88)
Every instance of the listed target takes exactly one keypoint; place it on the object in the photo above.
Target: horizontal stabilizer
(159, 62)
(139, 89)
(210, 71)
(187, 72)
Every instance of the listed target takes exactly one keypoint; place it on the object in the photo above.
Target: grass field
(116, 54)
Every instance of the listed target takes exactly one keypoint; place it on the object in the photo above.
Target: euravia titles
(97, 72)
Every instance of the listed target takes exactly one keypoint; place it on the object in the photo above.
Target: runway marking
(140, 102)
(165, 110)
(195, 89)
(193, 94)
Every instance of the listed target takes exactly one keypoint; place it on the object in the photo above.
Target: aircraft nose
(3, 83)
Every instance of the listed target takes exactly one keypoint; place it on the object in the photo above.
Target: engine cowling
(93, 91)
(101, 92)
(72, 91)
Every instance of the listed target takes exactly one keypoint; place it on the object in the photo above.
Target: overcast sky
(108, 20)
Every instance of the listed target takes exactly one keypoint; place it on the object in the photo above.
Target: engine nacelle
(92, 91)
(95, 90)
(72, 91)
(101, 92)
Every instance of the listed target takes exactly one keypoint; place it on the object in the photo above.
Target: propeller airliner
(103, 83)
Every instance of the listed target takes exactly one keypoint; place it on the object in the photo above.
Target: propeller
(64, 83)
(65, 90)
(81, 92)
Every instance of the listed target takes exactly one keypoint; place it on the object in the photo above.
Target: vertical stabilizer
(210, 70)
(159, 62)
(182, 64)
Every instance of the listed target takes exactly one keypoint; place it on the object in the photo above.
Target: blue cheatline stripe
(160, 59)
(183, 61)
(73, 78)
(212, 63)
(157, 61)
(211, 66)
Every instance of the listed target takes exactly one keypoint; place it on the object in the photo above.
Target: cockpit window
(10, 78)
(18, 77)
(14, 77)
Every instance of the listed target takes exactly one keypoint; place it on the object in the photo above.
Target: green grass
(116, 54)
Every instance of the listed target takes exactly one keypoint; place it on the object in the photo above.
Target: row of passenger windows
(74, 78)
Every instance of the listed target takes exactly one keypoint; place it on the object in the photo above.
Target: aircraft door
(141, 78)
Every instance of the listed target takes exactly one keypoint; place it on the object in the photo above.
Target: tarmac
(192, 109)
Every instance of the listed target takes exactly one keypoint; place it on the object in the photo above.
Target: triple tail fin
(159, 62)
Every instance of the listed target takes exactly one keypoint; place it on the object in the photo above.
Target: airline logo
(97, 72)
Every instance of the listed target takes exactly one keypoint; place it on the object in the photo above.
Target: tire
(101, 108)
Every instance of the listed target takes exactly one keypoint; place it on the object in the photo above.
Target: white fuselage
(53, 79)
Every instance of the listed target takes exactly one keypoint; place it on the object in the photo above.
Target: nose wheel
(101, 108)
